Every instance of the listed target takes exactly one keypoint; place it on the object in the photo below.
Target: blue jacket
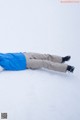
(13, 61)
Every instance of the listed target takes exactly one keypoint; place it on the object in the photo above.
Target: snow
(43, 26)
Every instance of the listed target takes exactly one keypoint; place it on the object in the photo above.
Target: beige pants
(52, 62)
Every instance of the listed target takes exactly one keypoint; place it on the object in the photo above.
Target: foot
(70, 68)
(66, 58)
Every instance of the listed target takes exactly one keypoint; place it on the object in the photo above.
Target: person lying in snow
(24, 60)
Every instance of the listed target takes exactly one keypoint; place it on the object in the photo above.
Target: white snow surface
(43, 26)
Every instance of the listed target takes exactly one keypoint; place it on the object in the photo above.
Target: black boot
(66, 58)
(70, 68)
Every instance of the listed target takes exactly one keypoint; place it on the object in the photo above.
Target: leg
(49, 57)
(36, 64)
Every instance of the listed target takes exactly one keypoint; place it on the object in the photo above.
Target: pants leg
(36, 64)
(49, 57)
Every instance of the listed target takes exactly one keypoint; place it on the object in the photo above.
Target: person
(30, 60)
